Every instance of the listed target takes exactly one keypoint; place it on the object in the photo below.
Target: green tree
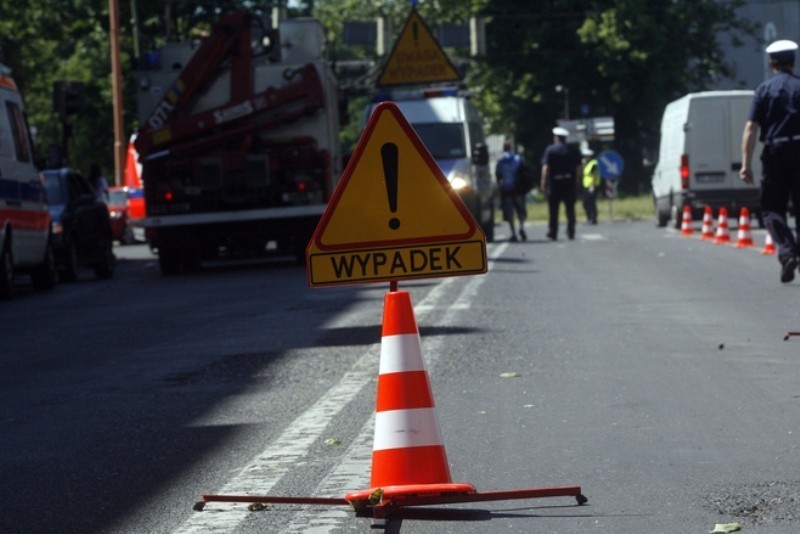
(625, 58)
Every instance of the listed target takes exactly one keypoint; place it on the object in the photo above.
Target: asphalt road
(646, 367)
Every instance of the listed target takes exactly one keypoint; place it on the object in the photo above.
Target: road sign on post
(393, 215)
(611, 165)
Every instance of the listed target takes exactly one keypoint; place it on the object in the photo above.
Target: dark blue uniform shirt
(776, 107)
(562, 161)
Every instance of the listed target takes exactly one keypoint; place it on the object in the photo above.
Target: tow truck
(239, 145)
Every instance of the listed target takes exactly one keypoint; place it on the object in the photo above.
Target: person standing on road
(776, 111)
(561, 169)
(591, 183)
(511, 200)
(99, 182)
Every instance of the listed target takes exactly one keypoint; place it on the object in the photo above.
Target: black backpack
(523, 179)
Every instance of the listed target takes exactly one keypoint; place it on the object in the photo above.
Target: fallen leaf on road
(724, 528)
(511, 374)
(333, 441)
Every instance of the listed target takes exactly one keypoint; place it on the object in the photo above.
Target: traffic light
(69, 98)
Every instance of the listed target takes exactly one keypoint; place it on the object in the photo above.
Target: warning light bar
(416, 94)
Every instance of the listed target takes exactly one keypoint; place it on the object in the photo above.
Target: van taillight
(685, 171)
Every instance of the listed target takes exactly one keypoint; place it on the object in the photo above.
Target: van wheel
(662, 218)
(169, 261)
(488, 227)
(127, 236)
(104, 269)
(6, 273)
(69, 272)
(45, 275)
(677, 217)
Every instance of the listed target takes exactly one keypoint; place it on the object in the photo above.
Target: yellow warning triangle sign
(417, 58)
(393, 207)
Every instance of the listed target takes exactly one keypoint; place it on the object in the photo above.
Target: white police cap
(782, 47)
(561, 132)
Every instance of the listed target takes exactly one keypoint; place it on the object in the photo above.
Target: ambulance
(24, 216)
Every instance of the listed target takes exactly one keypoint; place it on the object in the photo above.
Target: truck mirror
(480, 154)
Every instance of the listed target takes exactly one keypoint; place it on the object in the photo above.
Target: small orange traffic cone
(744, 237)
(723, 234)
(686, 223)
(769, 245)
(408, 456)
(707, 230)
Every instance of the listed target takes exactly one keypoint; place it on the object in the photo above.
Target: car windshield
(443, 140)
(117, 197)
(54, 188)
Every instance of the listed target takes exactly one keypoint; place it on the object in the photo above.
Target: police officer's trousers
(781, 182)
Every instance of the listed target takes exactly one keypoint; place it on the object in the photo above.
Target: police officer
(591, 183)
(776, 111)
(561, 170)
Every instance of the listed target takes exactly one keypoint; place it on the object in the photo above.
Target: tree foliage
(625, 58)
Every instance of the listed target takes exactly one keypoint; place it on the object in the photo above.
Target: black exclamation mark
(389, 157)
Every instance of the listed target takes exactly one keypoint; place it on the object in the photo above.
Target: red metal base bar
(790, 334)
(388, 505)
(267, 499)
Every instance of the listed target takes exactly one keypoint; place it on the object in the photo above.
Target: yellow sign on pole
(417, 58)
(393, 215)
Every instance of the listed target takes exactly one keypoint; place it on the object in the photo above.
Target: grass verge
(635, 208)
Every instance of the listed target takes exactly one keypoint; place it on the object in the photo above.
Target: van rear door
(739, 109)
(708, 140)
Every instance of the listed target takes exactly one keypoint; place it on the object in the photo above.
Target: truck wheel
(45, 275)
(6, 273)
(168, 261)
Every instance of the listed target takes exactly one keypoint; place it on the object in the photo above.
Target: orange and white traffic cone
(686, 223)
(408, 456)
(769, 245)
(723, 233)
(744, 237)
(707, 230)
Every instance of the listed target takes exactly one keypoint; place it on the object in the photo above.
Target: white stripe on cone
(398, 429)
(400, 353)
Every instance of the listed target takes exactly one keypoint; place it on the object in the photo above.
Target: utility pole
(116, 83)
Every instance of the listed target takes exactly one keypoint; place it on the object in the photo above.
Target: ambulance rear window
(19, 131)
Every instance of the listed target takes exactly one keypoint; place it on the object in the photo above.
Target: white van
(451, 128)
(700, 157)
(24, 216)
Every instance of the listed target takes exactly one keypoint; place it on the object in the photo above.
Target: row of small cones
(722, 234)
